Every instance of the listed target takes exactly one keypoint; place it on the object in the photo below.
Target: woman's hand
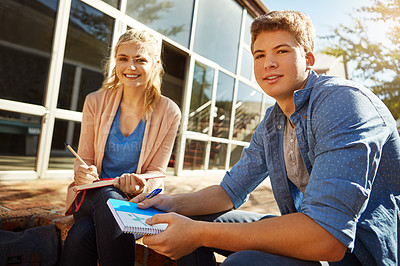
(85, 175)
(131, 184)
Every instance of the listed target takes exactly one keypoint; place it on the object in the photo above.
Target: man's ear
(310, 60)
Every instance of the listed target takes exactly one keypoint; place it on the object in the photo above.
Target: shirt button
(279, 126)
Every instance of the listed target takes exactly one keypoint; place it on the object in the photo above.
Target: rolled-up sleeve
(348, 134)
(249, 172)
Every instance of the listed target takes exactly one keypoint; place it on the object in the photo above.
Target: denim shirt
(351, 148)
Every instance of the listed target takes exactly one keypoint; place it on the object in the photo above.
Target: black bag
(33, 246)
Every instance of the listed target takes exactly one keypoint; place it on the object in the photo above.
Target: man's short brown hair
(297, 23)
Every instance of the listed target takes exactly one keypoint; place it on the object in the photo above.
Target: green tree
(376, 63)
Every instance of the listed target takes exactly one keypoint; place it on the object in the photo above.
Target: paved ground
(54, 191)
(19, 195)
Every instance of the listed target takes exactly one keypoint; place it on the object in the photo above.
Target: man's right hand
(161, 201)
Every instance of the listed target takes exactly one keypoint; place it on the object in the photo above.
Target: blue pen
(154, 193)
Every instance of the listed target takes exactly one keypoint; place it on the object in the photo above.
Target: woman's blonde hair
(145, 41)
(297, 23)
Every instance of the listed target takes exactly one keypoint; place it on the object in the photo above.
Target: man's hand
(161, 201)
(181, 237)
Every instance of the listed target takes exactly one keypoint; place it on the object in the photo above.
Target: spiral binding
(143, 231)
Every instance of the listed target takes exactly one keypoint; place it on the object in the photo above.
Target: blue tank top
(121, 154)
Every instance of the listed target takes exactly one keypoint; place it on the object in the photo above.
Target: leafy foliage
(376, 63)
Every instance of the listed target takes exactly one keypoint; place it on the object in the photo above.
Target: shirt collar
(300, 98)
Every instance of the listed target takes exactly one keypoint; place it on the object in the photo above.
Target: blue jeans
(205, 256)
(96, 236)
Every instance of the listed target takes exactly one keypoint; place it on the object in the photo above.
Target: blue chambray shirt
(351, 148)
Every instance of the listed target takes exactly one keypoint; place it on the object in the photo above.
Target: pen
(153, 193)
(76, 155)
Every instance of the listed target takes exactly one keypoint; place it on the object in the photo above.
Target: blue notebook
(131, 219)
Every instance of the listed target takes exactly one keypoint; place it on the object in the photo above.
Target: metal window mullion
(236, 85)
(68, 115)
(240, 50)
(180, 151)
(211, 121)
(25, 108)
(74, 103)
(232, 122)
(119, 28)
(194, 23)
(53, 85)
(104, 7)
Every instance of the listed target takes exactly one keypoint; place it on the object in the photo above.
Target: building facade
(52, 54)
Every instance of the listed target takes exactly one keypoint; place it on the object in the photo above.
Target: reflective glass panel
(194, 155)
(247, 34)
(26, 36)
(173, 81)
(247, 112)
(218, 30)
(247, 64)
(88, 41)
(76, 83)
(217, 156)
(200, 102)
(114, 3)
(172, 18)
(19, 134)
(236, 152)
(223, 106)
(64, 131)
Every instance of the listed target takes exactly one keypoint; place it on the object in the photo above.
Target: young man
(332, 152)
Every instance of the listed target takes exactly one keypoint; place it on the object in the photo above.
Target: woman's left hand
(131, 184)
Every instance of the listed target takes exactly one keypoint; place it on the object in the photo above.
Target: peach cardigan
(99, 110)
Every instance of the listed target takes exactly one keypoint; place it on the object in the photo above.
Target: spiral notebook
(131, 219)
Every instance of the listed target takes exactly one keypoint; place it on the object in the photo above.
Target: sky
(326, 15)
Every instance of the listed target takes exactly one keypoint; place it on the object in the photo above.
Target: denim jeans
(96, 236)
(205, 256)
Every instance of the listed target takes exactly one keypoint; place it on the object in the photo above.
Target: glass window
(194, 155)
(247, 34)
(174, 79)
(200, 102)
(217, 156)
(236, 152)
(114, 3)
(223, 106)
(247, 112)
(64, 131)
(218, 30)
(19, 134)
(247, 64)
(72, 94)
(172, 18)
(26, 36)
(88, 41)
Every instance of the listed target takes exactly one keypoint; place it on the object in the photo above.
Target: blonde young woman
(128, 130)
